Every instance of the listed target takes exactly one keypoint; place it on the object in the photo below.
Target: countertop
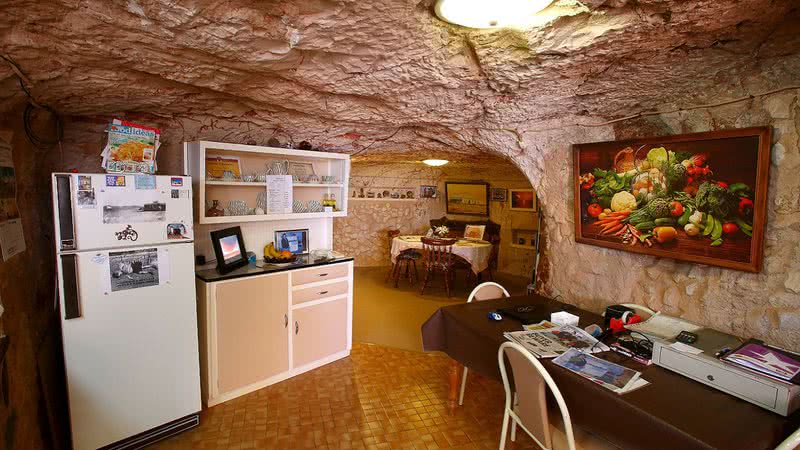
(210, 275)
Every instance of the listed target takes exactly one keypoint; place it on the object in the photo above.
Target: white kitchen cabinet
(262, 328)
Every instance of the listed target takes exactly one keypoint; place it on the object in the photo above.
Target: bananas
(271, 252)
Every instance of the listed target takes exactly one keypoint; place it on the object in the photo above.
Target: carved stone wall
(362, 233)
(764, 305)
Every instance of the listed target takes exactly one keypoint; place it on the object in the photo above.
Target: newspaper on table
(616, 378)
(131, 148)
(552, 342)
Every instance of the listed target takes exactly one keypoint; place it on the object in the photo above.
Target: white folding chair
(484, 291)
(530, 410)
(790, 443)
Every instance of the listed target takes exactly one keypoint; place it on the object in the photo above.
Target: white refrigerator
(125, 258)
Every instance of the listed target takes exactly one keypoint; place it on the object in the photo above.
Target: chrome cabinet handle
(323, 292)
(285, 320)
(296, 328)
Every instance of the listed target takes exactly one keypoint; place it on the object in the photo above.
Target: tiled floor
(378, 398)
(383, 314)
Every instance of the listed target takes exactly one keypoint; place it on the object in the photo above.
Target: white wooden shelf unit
(255, 159)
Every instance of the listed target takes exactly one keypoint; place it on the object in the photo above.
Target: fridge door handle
(69, 273)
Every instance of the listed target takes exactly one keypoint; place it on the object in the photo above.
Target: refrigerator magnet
(115, 180)
(145, 182)
(176, 182)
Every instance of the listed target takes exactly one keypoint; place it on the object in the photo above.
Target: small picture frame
(522, 200)
(426, 191)
(474, 232)
(499, 194)
(294, 241)
(229, 249)
(301, 169)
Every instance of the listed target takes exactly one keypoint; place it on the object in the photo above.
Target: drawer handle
(285, 320)
(296, 328)
(323, 274)
(323, 292)
(710, 377)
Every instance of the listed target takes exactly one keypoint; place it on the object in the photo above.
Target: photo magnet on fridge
(133, 269)
(176, 182)
(115, 180)
(145, 182)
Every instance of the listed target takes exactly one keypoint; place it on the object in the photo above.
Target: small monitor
(229, 249)
(294, 241)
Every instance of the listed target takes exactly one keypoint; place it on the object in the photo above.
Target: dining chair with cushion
(527, 407)
(406, 261)
(484, 291)
(438, 257)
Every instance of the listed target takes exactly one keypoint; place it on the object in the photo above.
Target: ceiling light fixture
(435, 162)
(489, 14)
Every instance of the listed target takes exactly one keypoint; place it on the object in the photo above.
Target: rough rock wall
(27, 292)
(362, 233)
(764, 305)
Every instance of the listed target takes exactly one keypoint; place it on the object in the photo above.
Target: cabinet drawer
(315, 293)
(721, 378)
(319, 274)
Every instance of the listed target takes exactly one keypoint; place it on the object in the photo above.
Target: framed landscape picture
(469, 198)
(522, 200)
(696, 197)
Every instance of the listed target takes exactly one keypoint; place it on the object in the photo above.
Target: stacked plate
(299, 207)
(314, 206)
(237, 208)
(261, 200)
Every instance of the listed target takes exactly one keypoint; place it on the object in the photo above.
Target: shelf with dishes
(263, 184)
(231, 182)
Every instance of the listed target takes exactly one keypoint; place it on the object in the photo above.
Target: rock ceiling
(374, 76)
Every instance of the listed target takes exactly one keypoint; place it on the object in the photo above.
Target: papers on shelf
(611, 376)
(663, 326)
(552, 342)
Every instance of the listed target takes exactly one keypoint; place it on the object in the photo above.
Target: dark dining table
(672, 412)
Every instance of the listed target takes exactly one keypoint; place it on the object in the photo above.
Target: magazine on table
(769, 361)
(551, 342)
(616, 378)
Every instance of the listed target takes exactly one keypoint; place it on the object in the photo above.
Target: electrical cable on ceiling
(31, 108)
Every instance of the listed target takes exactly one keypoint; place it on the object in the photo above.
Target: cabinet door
(252, 330)
(320, 331)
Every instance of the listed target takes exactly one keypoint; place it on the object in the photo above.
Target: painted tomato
(594, 210)
(730, 228)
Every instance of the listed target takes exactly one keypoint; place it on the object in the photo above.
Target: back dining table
(476, 253)
(672, 412)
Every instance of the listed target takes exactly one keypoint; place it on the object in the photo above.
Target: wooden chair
(527, 408)
(405, 261)
(438, 257)
(484, 291)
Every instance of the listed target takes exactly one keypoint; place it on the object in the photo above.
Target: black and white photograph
(133, 269)
(86, 199)
(154, 211)
(84, 183)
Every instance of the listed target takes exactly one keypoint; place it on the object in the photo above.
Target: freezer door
(96, 211)
(131, 355)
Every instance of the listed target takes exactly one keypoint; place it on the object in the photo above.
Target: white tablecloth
(475, 253)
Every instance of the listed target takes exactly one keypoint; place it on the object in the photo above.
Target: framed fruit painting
(697, 197)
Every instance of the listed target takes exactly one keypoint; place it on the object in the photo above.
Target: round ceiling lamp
(435, 162)
(489, 14)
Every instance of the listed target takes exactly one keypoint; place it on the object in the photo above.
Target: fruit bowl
(280, 260)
